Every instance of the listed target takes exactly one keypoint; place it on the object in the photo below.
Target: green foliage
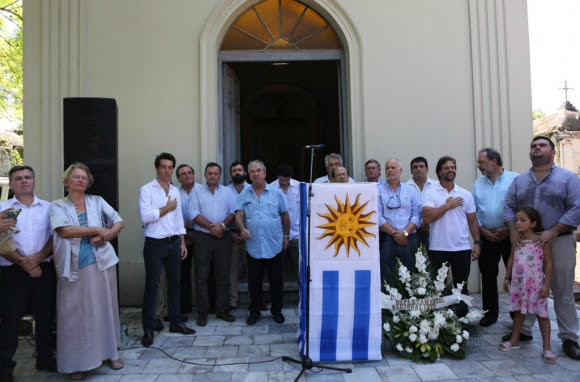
(538, 113)
(16, 159)
(11, 50)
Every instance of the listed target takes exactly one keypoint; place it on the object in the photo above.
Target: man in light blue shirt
(399, 217)
(211, 210)
(488, 195)
(262, 218)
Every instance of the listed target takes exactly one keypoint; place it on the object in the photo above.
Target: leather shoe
(147, 339)
(180, 317)
(181, 328)
(487, 320)
(279, 317)
(47, 365)
(158, 324)
(202, 319)
(226, 316)
(252, 318)
(571, 349)
(523, 337)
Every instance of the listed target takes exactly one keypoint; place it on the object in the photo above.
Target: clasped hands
(102, 237)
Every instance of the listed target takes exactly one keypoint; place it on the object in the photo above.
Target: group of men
(221, 228)
(214, 227)
(440, 215)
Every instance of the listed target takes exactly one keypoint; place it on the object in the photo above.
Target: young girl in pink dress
(529, 287)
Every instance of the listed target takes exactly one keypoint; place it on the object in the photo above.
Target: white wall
(418, 87)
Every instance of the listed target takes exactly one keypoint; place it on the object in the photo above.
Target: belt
(169, 238)
(564, 233)
(209, 234)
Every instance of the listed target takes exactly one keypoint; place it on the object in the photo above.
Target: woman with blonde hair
(88, 329)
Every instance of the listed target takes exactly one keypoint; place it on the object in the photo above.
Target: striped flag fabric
(345, 307)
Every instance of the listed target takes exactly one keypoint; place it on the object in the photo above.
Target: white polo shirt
(451, 231)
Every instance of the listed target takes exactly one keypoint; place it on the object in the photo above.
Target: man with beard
(399, 216)
(450, 211)
(488, 194)
(421, 183)
(238, 264)
(555, 193)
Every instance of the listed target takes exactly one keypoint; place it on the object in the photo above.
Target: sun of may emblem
(346, 225)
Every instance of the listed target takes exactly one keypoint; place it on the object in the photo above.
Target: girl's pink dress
(527, 279)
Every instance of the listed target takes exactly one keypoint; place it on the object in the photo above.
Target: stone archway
(212, 35)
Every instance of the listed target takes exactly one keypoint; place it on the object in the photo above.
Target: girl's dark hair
(533, 215)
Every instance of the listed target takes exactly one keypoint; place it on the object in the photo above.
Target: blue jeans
(159, 253)
(391, 251)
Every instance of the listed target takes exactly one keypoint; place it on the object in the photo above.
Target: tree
(538, 113)
(11, 61)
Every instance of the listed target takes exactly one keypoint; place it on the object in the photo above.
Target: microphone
(315, 147)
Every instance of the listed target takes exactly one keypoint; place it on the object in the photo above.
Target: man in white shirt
(160, 210)
(289, 187)
(450, 211)
(331, 162)
(27, 275)
(421, 183)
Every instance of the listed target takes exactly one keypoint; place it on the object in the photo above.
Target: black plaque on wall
(90, 136)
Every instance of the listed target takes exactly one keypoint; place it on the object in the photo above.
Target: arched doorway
(282, 87)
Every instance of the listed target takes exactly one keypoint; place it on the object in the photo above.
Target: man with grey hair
(331, 161)
(262, 217)
(399, 217)
(488, 195)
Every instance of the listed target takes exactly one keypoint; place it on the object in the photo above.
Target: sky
(554, 52)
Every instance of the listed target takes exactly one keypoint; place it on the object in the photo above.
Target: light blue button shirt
(293, 204)
(185, 202)
(214, 207)
(489, 197)
(409, 210)
(263, 220)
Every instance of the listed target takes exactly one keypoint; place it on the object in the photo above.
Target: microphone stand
(306, 362)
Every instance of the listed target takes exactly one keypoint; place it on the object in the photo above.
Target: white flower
(458, 339)
(433, 334)
(439, 319)
(439, 286)
(421, 291)
(466, 334)
(415, 313)
(408, 350)
(396, 319)
(413, 329)
(412, 337)
(387, 327)
(422, 339)
(399, 347)
(454, 347)
(464, 320)
(425, 326)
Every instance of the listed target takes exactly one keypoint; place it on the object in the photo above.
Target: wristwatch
(287, 237)
(478, 242)
(224, 226)
(406, 233)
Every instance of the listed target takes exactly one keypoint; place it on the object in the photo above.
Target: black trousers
(18, 292)
(185, 294)
(459, 262)
(210, 251)
(256, 268)
(491, 253)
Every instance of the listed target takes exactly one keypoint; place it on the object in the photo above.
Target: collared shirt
(324, 179)
(235, 195)
(451, 231)
(263, 220)
(409, 210)
(428, 184)
(152, 198)
(293, 204)
(34, 225)
(556, 197)
(213, 206)
(489, 197)
(185, 202)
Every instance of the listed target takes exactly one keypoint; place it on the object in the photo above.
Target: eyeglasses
(79, 177)
(394, 202)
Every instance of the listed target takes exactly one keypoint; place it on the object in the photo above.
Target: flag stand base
(307, 364)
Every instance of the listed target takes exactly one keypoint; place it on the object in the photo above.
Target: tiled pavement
(236, 352)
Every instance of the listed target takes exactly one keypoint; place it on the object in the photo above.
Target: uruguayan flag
(345, 311)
